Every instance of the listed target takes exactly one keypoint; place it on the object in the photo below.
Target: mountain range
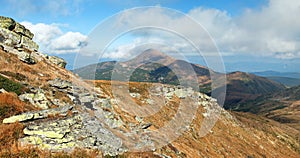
(154, 66)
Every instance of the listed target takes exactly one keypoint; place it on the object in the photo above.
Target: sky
(251, 35)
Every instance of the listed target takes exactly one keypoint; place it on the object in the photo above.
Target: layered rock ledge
(17, 39)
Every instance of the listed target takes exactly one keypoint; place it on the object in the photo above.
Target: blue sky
(84, 15)
(252, 35)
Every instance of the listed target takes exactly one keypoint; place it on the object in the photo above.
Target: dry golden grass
(11, 105)
(256, 138)
(9, 134)
(33, 152)
(37, 74)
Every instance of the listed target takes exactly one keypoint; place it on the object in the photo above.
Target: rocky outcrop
(57, 61)
(70, 126)
(17, 39)
(60, 84)
(66, 134)
(16, 35)
(37, 99)
(7, 23)
(20, 29)
(11, 25)
(26, 57)
(29, 116)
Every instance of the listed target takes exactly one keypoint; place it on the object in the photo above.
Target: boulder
(180, 93)
(26, 57)
(7, 23)
(9, 38)
(28, 44)
(3, 90)
(37, 56)
(135, 95)
(17, 39)
(18, 118)
(61, 111)
(21, 30)
(60, 84)
(87, 99)
(57, 61)
(57, 133)
(37, 99)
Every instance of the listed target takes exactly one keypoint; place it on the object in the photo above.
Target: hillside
(243, 87)
(282, 106)
(47, 111)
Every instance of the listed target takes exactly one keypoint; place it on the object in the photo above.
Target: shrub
(16, 76)
(10, 86)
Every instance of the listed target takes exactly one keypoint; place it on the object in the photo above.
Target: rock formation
(17, 39)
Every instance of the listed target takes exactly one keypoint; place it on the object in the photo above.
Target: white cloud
(43, 33)
(71, 42)
(53, 40)
(272, 30)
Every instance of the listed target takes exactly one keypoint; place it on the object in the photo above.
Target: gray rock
(21, 30)
(17, 39)
(87, 99)
(26, 57)
(37, 99)
(19, 118)
(81, 131)
(57, 61)
(135, 95)
(9, 38)
(28, 44)
(61, 111)
(180, 93)
(7, 23)
(59, 83)
(150, 101)
(3, 90)
(145, 126)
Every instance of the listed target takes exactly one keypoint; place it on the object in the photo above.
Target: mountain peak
(151, 56)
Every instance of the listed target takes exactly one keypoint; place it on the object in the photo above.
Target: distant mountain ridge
(289, 79)
(154, 66)
(280, 74)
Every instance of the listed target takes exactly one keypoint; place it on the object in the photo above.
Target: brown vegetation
(247, 136)
(11, 105)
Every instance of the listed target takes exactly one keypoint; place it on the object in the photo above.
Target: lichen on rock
(57, 61)
(17, 39)
(7, 23)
